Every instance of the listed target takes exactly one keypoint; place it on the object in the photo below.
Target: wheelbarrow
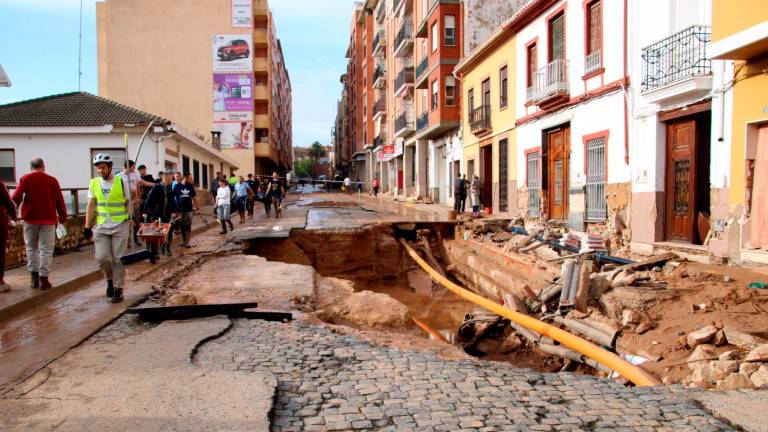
(154, 234)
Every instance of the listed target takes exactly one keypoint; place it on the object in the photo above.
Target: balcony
(678, 66)
(404, 80)
(260, 64)
(550, 85)
(422, 121)
(261, 92)
(379, 77)
(422, 73)
(404, 39)
(422, 31)
(403, 125)
(379, 109)
(593, 63)
(380, 44)
(380, 140)
(259, 37)
(480, 120)
(381, 13)
(260, 9)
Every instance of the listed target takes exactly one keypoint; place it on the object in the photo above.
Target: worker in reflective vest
(107, 221)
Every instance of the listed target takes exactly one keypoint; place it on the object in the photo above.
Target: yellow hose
(629, 371)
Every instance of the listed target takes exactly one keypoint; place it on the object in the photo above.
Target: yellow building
(488, 120)
(740, 33)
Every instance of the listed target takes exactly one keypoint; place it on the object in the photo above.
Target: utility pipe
(430, 330)
(632, 373)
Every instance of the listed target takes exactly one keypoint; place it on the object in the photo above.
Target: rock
(742, 340)
(181, 299)
(749, 368)
(511, 343)
(629, 317)
(701, 353)
(735, 381)
(759, 354)
(703, 376)
(701, 336)
(644, 327)
(759, 379)
(729, 355)
(726, 279)
(719, 338)
(721, 369)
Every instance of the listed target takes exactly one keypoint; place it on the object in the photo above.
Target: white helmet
(102, 158)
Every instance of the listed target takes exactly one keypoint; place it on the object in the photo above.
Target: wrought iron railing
(597, 208)
(534, 184)
(422, 66)
(382, 11)
(404, 34)
(395, 4)
(480, 120)
(404, 77)
(548, 81)
(422, 121)
(680, 56)
(403, 122)
(592, 62)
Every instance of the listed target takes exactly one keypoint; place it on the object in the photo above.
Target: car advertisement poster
(233, 53)
(242, 13)
(232, 92)
(237, 135)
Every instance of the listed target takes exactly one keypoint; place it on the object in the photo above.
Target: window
(435, 94)
(205, 175)
(196, 172)
(557, 38)
(424, 99)
(450, 30)
(596, 205)
(450, 90)
(7, 166)
(533, 164)
(531, 59)
(503, 87)
(470, 103)
(487, 92)
(503, 175)
(594, 27)
(184, 164)
(434, 37)
(117, 155)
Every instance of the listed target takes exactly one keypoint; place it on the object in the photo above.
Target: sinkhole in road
(359, 270)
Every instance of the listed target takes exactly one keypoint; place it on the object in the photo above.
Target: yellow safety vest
(112, 208)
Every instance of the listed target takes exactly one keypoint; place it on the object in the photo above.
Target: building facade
(215, 66)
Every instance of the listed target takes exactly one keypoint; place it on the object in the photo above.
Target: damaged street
(321, 320)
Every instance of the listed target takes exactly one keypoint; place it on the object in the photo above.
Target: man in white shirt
(348, 185)
(135, 182)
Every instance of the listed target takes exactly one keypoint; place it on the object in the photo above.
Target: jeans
(241, 204)
(110, 245)
(223, 211)
(40, 241)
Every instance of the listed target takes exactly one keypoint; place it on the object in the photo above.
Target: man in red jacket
(41, 201)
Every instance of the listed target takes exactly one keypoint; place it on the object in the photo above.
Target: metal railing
(680, 56)
(592, 62)
(422, 121)
(422, 66)
(75, 199)
(597, 208)
(405, 76)
(379, 72)
(380, 106)
(379, 140)
(381, 38)
(534, 184)
(404, 34)
(480, 120)
(548, 81)
(403, 122)
(395, 4)
(382, 11)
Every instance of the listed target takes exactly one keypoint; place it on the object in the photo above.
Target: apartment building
(216, 66)
(740, 205)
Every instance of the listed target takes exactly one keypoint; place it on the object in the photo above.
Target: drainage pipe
(632, 373)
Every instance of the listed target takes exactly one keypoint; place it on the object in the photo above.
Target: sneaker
(35, 280)
(45, 284)
(118, 296)
(110, 289)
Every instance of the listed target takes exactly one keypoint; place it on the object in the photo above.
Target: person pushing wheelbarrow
(160, 206)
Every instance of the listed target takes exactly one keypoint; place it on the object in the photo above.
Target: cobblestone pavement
(328, 381)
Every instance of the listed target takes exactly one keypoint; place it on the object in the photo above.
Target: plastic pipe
(631, 372)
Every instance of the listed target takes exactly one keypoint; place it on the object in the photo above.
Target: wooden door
(486, 191)
(680, 180)
(557, 168)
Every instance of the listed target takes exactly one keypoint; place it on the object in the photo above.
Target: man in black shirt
(254, 185)
(275, 194)
(161, 205)
(186, 202)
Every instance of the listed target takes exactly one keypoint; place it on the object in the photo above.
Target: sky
(39, 50)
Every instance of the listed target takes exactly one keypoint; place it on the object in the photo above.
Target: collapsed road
(373, 342)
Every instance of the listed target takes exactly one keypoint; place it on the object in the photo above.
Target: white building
(67, 130)
(571, 131)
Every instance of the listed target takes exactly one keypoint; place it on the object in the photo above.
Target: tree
(303, 168)
(316, 151)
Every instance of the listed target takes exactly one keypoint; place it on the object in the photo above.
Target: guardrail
(679, 56)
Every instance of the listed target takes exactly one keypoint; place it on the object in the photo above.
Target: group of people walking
(463, 187)
(241, 194)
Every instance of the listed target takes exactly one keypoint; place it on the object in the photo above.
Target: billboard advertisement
(233, 116)
(232, 92)
(233, 53)
(242, 13)
(235, 135)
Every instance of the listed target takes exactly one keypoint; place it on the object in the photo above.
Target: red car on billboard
(236, 49)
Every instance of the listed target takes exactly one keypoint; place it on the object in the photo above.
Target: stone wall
(16, 254)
